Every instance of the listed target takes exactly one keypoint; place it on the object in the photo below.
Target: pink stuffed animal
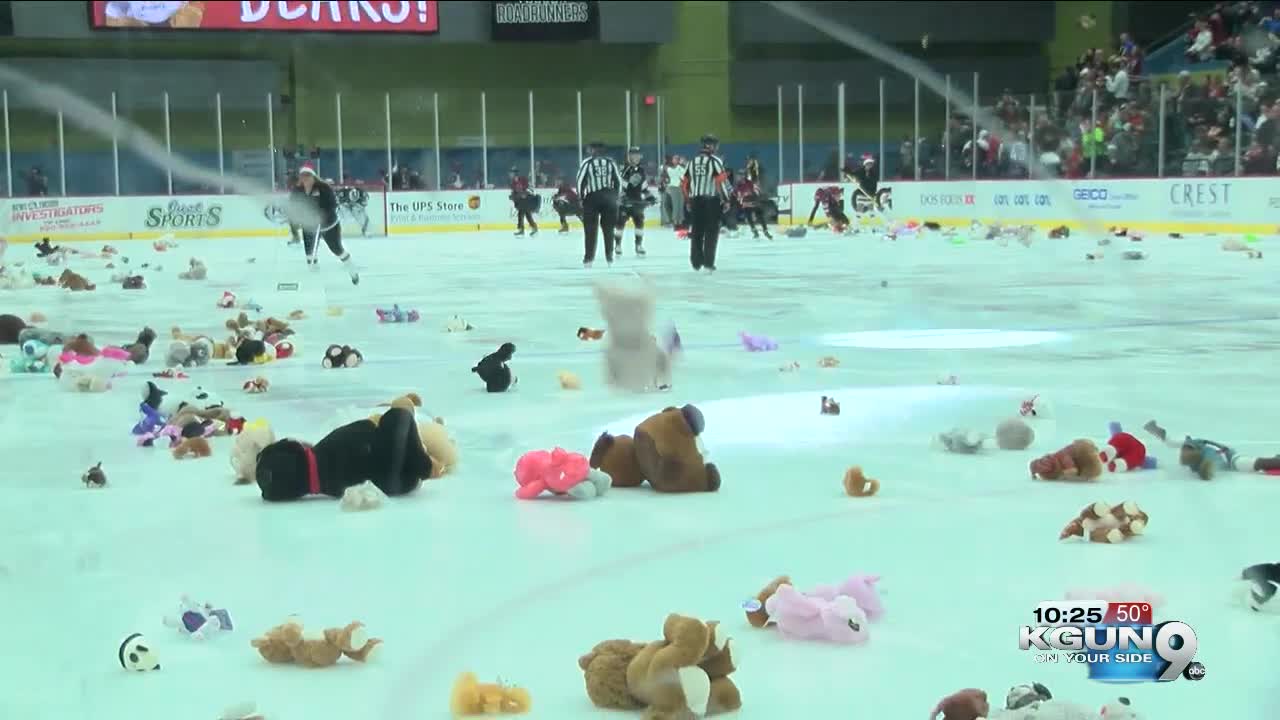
(560, 472)
(803, 617)
(862, 588)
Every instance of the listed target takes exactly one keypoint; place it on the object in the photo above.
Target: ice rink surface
(461, 576)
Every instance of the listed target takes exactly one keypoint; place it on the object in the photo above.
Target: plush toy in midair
(494, 371)
(961, 441)
(389, 452)
(1258, 585)
(1079, 461)
(634, 359)
(396, 315)
(757, 343)
(199, 621)
(1123, 452)
(665, 451)
(559, 472)
(1102, 523)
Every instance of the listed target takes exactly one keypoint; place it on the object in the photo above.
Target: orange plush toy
(470, 698)
(857, 484)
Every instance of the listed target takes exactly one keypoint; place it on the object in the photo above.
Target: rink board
(1183, 205)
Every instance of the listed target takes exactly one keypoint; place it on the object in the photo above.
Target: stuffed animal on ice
(82, 367)
(757, 343)
(683, 675)
(1102, 523)
(1079, 461)
(665, 451)
(252, 439)
(198, 621)
(396, 315)
(35, 357)
(1035, 407)
(961, 441)
(1123, 452)
(1258, 585)
(862, 588)
(289, 643)
(801, 616)
(1050, 709)
(559, 472)
(494, 371)
(634, 360)
(1014, 434)
(457, 324)
(470, 698)
(967, 704)
(196, 270)
(440, 447)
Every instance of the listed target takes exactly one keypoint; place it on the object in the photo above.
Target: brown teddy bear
(967, 704)
(74, 281)
(288, 643)
(685, 674)
(664, 451)
(759, 617)
(1078, 461)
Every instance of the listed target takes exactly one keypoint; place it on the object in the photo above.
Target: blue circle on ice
(941, 339)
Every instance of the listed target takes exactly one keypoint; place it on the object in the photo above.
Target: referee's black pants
(704, 231)
(599, 213)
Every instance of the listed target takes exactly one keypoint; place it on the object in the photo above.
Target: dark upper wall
(756, 82)
(901, 22)
(461, 21)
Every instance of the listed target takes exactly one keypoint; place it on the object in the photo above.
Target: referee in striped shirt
(707, 194)
(598, 185)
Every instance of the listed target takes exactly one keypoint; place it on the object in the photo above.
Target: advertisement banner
(51, 216)
(384, 16)
(546, 20)
(412, 212)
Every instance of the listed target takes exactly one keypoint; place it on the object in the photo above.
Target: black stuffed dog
(388, 452)
(494, 371)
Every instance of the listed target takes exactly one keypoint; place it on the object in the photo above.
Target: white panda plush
(136, 654)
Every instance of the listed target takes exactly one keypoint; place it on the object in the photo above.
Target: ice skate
(640, 249)
(586, 264)
(564, 229)
(520, 232)
(533, 233)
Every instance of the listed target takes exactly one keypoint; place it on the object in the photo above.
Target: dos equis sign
(546, 20)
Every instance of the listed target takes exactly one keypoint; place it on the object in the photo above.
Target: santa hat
(867, 159)
(307, 169)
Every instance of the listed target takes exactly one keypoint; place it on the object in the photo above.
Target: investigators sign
(546, 20)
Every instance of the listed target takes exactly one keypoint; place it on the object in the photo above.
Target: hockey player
(354, 202)
(635, 198)
(866, 179)
(831, 199)
(566, 203)
(729, 218)
(525, 202)
(748, 193)
(297, 199)
(325, 206)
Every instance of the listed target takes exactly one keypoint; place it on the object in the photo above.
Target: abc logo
(1090, 194)
(473, 202)
(1194, 671)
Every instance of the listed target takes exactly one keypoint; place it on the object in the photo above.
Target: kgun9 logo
(1023, 200)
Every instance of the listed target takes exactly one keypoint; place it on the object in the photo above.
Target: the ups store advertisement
(546, 20)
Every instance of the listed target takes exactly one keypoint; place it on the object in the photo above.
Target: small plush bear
(1078, 461)
(288, 643)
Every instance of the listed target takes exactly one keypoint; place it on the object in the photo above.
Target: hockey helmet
(633, 153)
(596, 146)
(710, 142)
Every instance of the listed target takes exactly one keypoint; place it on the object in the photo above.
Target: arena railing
(427, 139)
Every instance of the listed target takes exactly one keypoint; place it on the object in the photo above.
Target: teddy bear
(289, 643)
(140, 350)
(664, 451)
(195, 271)
(1100, 522)
(857, 484)
(1078, 461)
(196, 447)
(74, 281)
(471, 697)
(685, 674)
(967, 704)
(252, 439)
(633, 358)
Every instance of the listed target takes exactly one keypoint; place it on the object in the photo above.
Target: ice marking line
(810, 342)
(404, 697)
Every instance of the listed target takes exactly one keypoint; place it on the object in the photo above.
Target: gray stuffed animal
(963, 442)
(201, 351)
(45, 335)
(633, 359)
(179, 355)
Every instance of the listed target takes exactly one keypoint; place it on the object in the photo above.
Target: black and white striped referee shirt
(598, 173)
(706, 177)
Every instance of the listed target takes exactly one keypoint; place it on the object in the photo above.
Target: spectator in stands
(455, 181)
(906, 159)
(1117, 83)
(406, 179)
(1271, 25)
(1122, 152)
(1201, 48)
(1017, 155)
(1008, 109)
(37, 183)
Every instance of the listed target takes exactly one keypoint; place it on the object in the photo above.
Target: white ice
(461, 576)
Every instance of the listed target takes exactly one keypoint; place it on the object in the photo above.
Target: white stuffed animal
(1061, 710)
(365, 496)
(198, 621)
